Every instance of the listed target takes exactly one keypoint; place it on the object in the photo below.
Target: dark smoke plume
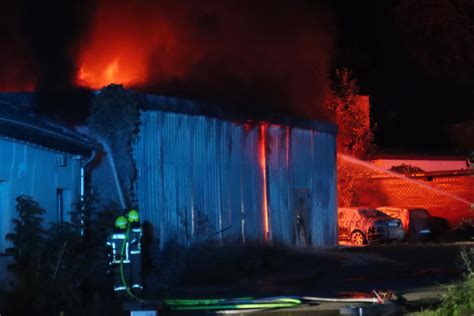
(256, 57)
(53, 30)
(40, 46)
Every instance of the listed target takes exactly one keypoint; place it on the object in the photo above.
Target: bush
(406, 169)
(28, 237)
(459, 299)
(56, 269)
(464, 231)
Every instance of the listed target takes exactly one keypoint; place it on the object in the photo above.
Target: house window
(63, 205)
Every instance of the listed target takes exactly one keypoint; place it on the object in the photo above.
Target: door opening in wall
(60, 205)
(301, 213)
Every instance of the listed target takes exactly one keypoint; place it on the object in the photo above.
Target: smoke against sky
(40, 41)
(253, 56)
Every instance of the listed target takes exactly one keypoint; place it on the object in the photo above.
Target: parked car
(365, 225)
(417, 222)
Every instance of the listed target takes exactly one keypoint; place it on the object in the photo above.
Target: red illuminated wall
(390, 191)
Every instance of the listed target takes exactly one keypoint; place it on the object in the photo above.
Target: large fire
(258, 56)
(220, 51)
(136, 45)
(121, 46)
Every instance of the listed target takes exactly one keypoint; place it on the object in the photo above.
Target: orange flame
(120, 47)
(133, 45)
(96, 72)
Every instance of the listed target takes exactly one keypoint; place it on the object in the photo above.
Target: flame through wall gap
(263, 166)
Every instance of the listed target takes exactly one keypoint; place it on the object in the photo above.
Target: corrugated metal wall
(201, 177)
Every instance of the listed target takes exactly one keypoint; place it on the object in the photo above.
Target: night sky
(415, 58)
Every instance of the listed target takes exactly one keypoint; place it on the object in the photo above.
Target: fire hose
(243, 303)
(122, 274)
(251, 303)
(209, 304)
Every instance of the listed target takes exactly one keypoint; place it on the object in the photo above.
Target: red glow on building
(263, 166)
(391, 191)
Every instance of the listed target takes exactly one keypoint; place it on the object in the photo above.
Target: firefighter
(135, 236)
(119, 260)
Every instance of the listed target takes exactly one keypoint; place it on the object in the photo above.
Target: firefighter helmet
(133, 216)
(121, 222)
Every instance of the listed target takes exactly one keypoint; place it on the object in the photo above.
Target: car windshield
(372, 213)
(419, 213)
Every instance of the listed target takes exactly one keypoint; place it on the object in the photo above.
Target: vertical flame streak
(263, 166)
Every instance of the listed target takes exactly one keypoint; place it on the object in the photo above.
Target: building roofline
(23, 125)
(151, 102)
(430, 174)
(390, 154)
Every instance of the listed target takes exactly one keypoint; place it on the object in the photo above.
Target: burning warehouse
(204, 174)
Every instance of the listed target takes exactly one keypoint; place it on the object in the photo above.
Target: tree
(28, 237)
(355, 136)
(55, 269)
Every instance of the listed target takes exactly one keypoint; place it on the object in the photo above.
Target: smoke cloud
(256, 57)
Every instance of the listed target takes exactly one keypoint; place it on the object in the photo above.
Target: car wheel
(357, 238)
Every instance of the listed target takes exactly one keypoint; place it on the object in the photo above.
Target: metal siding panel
(325, 198)
(252, 181)
(234, 180)
(313, 167)
(229, 183)
(301, 169)
(279, 204)
(198, 176)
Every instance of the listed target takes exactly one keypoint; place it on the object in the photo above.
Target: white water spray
(397, 175)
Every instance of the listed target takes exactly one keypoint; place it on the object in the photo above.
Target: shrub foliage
(59, 268)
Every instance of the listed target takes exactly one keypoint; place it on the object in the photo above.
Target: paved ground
(418, 273)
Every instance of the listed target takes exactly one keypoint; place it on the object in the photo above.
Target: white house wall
(29, 170)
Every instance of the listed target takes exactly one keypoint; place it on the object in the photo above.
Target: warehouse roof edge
(190, 107)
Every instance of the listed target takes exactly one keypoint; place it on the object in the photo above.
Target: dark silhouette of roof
(23, 125)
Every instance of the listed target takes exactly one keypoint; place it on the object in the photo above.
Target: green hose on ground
(211, 304)
(230, 304)
(122, 275)
(210, 301)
